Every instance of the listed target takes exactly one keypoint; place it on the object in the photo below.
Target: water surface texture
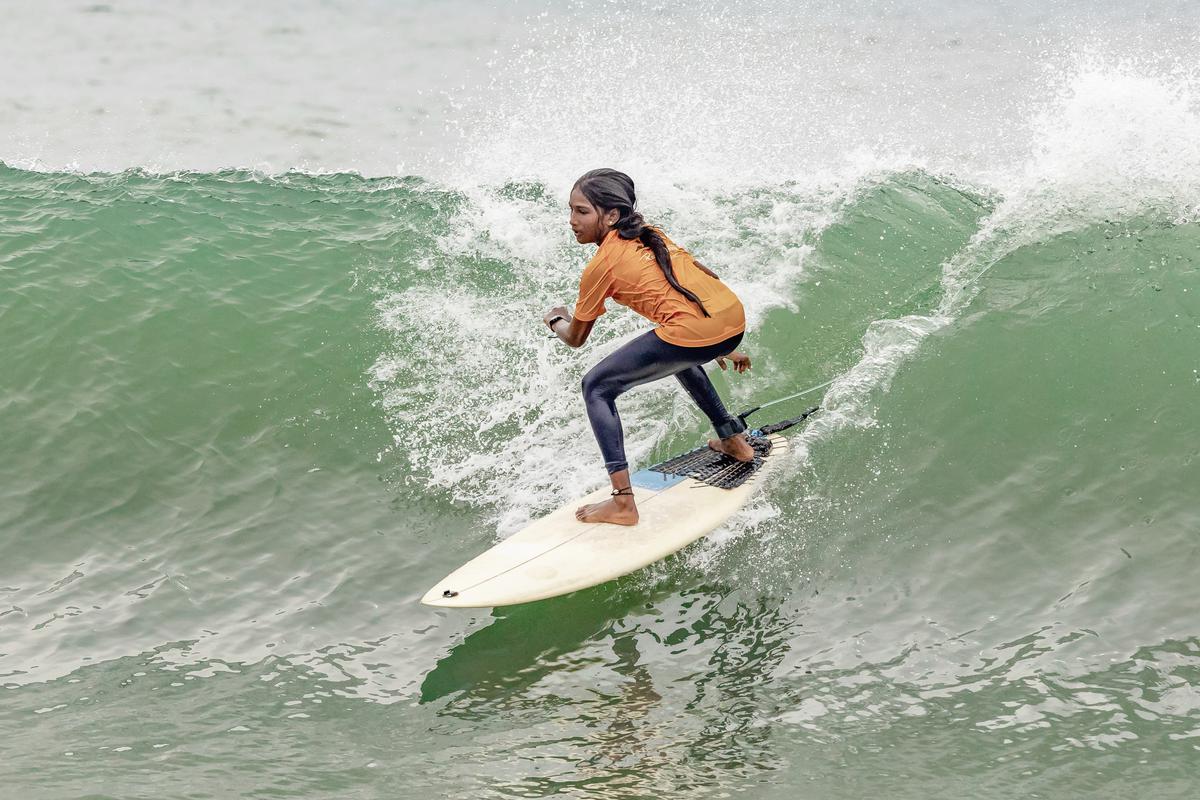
(271, 282)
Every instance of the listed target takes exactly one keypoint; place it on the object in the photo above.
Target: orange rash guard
(625, 270)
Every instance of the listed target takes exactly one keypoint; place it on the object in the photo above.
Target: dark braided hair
(607, 189)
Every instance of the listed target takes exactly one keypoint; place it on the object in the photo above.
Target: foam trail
(1091, 165)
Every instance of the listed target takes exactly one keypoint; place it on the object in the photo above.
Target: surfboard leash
(787, 423)
(784, 424)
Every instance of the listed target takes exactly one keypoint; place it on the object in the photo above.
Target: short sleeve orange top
(625, 270)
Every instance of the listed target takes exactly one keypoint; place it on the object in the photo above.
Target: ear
(611, 216)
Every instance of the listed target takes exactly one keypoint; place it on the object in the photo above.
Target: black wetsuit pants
(648, 358)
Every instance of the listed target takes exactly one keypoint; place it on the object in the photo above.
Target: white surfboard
(558, 554)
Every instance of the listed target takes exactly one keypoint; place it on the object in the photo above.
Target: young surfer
(699, 319)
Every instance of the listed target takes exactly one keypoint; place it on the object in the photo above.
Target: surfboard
(678, 501)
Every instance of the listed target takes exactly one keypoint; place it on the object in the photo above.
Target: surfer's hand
(557, 311)
(741, 361)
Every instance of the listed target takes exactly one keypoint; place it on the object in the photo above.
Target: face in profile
(589, 225)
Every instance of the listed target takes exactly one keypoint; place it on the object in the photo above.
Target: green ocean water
(249, 420)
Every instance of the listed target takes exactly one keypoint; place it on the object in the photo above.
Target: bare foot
(736, 447)
(619, 511)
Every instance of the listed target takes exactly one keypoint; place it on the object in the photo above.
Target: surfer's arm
(566, 327)
(574, 331)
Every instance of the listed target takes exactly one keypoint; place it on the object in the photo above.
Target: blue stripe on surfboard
(655, 481)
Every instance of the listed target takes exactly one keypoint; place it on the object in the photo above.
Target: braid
(651, 239)
(607, 189)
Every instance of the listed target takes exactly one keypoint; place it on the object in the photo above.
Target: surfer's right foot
(736, 447)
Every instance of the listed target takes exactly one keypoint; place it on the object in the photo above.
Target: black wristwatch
(554, 319)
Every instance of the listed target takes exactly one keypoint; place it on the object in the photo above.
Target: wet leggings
(648, 358)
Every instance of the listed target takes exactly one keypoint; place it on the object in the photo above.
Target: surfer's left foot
(736, 447)
(619, 511)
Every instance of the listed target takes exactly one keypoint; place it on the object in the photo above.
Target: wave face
(250, 415)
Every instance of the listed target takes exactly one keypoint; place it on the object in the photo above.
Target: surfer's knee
(598, 384)
(588, 384)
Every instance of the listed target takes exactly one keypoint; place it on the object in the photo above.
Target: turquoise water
(251, 415)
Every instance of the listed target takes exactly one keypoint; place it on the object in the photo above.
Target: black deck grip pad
(717, 469)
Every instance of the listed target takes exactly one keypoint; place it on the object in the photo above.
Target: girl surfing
(698, 320)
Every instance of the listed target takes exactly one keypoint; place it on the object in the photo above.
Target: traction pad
(717, 469)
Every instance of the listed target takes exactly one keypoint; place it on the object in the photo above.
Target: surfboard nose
(443, 597)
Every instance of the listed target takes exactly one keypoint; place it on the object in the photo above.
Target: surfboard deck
(558, 554)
